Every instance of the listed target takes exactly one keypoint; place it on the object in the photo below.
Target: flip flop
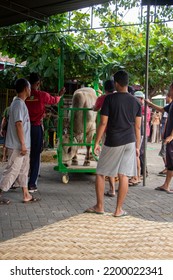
(133, 184)
(161, 174)
(4, 201)
(163, 190)
(109, 194)
(123, 214)
(33, 199)
(13, 187)
(93, 211)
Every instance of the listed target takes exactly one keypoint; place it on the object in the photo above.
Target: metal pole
(61, 67)
(146, 90)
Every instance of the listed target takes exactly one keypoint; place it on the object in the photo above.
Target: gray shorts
(118, 160)
(162, 152)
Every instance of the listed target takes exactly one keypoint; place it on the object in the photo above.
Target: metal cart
(64, 111)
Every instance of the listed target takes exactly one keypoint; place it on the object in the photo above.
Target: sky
(132, 16)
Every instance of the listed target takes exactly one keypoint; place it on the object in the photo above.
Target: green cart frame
(62, 113)
(61, 167)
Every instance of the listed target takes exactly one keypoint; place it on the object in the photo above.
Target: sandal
(108, 193)
(4, 201)
(123, 214)
(13, 187)
(134, 183)
(92, 210)
(33, 199)
(163, 172)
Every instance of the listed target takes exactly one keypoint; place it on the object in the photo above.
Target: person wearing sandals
(36, 105)
(137, 179)
(162, 151)
(121, 114)
(109, 89)
(168, 141)
(18, 144)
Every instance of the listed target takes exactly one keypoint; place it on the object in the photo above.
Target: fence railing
(6, 97)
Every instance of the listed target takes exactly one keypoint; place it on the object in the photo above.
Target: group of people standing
(120, 130)
(121, 116)
(24, 137)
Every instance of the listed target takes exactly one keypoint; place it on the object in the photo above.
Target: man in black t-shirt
(121, 113)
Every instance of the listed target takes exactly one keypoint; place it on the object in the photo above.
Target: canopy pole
(146, 90)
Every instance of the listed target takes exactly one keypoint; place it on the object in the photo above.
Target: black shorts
(169, 156)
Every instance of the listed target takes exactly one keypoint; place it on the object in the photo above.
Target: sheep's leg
(75, 160)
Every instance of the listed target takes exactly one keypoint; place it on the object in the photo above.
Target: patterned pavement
(61, 201)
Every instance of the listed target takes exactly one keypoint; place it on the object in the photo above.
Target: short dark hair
(109, 86)
(21, 84)
(131, 90)
(122, 78)
(33, 78)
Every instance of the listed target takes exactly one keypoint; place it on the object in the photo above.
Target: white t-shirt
(18, 112)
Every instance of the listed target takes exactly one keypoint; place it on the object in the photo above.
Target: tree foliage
(89, 51)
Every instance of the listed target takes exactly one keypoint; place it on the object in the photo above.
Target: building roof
(16, 11)
(9, 61)
(157, 2)
(159, 96)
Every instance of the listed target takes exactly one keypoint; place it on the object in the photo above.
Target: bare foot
(27, 198)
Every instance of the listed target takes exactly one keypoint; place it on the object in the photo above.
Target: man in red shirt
(36, 107)
(109, 88)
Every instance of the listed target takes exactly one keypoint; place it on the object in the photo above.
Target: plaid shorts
(118, 160)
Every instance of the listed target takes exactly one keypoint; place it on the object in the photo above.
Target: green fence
(6, 97)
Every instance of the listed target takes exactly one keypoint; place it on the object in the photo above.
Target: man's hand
(2, 133)
(23, 150)
(168, 139)
(97, 149)
(99, 91)
(62, 91)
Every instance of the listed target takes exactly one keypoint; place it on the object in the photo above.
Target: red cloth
(99, 102)
(36, 105)
(148, 117)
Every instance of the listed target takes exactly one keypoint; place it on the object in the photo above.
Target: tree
(88, 51)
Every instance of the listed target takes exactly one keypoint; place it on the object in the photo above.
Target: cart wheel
(65, 178)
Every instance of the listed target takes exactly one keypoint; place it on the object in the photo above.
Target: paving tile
(59, 201)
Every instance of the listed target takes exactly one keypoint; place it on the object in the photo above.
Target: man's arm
(3, 124)
(138, 134)
(48, 99)
(100, 130)
(169, 138)
(98, 104)
(20, 133)
(154, 106)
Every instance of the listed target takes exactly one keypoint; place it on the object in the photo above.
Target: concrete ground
(60, 201)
